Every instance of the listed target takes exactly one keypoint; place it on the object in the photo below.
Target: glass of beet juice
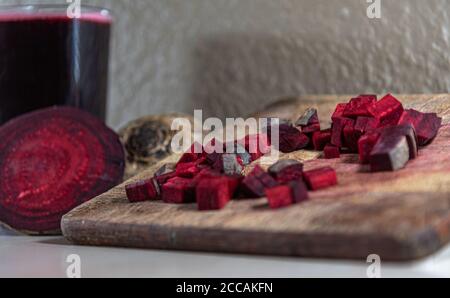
(48, 58)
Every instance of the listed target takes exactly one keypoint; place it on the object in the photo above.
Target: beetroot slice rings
(51, 161)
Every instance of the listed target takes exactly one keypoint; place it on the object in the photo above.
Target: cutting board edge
(412, 247)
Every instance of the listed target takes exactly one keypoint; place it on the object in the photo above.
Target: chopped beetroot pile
(212, 180)
(382, 132)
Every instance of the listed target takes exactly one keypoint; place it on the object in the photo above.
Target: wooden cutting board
(400, 216)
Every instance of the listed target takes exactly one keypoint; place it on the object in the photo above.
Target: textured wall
(229, 57)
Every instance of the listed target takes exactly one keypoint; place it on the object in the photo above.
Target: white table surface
(22, 256)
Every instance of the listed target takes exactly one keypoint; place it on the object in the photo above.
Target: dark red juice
(49, 59)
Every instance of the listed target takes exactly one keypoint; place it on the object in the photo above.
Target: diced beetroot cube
(271, 122)
(192, 154)
(279, 196)
(205, 174)
(228, 164)
(331, 152)
(320, 178)
(178, 191)
(321, 138)
(311, 128)
(142, 191)
(187, 170)
(299, 191)
(359, 106)
(309, 121)
(252, 187)
(267, 180)
(292, 139)
(390, 153)
(240, 151)
(365, 146)
(294, 192)
(339, 112)
(338, 129)
(256, 182)
(406, 130)
(365, 124)
(213, 146)
(234, 183)
(426, 125)
(372, 97)
(351, 137)
(286, 170)
(165, 173)
(388, 110)
(162, 179)
(212, 158)
(165, 169)
(213, 193)
(256, 145)
(309, 117)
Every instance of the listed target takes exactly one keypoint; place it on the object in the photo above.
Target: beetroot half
(51, 161)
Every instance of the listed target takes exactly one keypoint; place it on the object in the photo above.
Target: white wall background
(229, 57)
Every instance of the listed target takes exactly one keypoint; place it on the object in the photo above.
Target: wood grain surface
(400, 216)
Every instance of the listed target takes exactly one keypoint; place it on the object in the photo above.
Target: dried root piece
(147, 141)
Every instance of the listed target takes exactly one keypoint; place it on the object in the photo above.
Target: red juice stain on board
(51, 161)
